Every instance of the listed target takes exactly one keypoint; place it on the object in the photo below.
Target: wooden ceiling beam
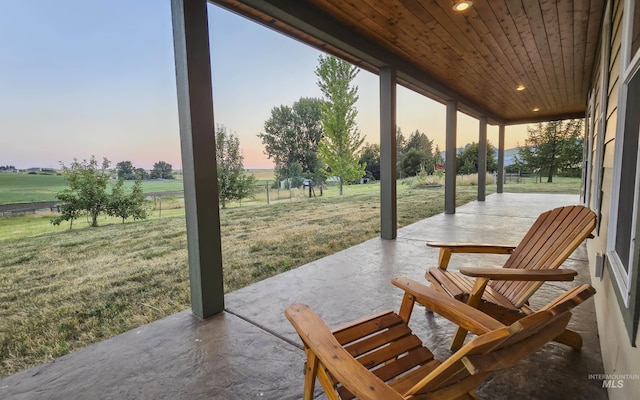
(314, 22)
(476, 58)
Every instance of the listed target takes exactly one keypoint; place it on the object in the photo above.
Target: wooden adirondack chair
(380, 358)
(504, 292)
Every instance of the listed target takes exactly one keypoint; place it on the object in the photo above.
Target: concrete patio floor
(251, 351)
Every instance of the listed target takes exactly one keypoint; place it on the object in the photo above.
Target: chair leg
(310, 373)
(570, 338)
(458, 339)
(475, 297)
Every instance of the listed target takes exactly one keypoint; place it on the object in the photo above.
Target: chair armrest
(343, 367)
(455, 311)
(446, 249)
(474, 247)
(512, 274)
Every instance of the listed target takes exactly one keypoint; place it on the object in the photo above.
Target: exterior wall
(619, 356)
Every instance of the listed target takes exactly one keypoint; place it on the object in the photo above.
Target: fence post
(266, 185)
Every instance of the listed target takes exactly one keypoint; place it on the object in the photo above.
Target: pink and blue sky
(81, 78)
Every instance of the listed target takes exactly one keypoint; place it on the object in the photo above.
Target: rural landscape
(93, 249)
(62, 289)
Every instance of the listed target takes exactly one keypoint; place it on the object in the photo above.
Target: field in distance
(29, 188)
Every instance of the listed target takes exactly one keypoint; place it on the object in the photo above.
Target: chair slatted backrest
(547, 244)
(499, 349)
(455, 377)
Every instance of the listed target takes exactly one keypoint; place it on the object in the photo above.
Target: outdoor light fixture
(461, 5)
(520, 88)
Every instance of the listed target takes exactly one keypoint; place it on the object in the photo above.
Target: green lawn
(531, 185)
(26, 188)
(62, 289)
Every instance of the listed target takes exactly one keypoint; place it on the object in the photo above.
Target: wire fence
(266, 194)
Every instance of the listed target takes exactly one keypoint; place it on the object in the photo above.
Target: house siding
(619, 356)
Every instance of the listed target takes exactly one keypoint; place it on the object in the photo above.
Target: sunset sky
(81, 78)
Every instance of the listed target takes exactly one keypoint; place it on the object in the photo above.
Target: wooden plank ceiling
(478, 57)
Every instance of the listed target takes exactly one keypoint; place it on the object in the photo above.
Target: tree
(338, 148)
(291, 135)
(162, 170)
(141, 174)
(412, 162)
(467, 159)
(291, 174)
(87, 190)
(126, 205)
(233, 184)
(69, 208)
(370, 157)
(553, 146)
(417, 155)
(125, 170)
(400, 143)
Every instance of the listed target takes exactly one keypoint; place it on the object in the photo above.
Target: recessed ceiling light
(536, 109)
(462, 5)
(520, 88)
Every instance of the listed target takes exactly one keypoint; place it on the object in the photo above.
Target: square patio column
(197, 140)
(500, 159)
(388, 199)
(450, 158)
(482, 159)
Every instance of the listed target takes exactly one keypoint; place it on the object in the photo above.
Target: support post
(450, 158)
(197, 140)
(500, 183)
(388, 201)
(482, 159)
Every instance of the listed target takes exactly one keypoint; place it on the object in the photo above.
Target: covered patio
(251, 351)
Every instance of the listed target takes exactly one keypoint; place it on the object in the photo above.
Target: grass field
(62, 290)
(559, 185)
(25, 188)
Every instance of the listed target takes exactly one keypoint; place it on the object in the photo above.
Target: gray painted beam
(197, 140)
(500, 178)
(388, 201)
(450, 161)
(482, 159)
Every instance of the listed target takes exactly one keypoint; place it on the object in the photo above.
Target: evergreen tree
(553, 146)
(370, 158)
(467, 159)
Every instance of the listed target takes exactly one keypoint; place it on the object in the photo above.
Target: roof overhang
(476, 58)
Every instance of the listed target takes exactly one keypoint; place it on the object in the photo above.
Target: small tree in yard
(233, 184)
(87, 191)
(127, 205)
(339, 147)
(87, 194)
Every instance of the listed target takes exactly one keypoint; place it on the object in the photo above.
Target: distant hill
(509, 154)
